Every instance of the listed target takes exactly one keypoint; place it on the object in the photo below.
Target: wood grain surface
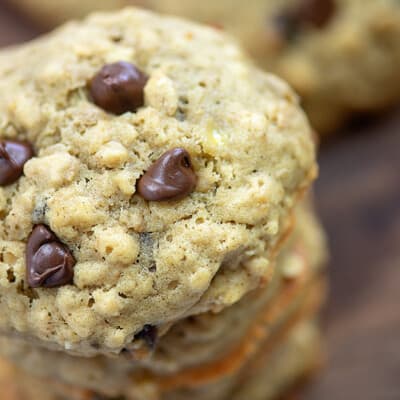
(358, 198)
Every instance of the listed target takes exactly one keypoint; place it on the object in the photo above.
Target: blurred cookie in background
(341, 56)
(49, 13)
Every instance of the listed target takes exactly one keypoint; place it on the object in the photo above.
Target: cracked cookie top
(155, 170)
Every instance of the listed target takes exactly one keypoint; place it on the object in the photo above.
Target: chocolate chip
(171, 177)
(118, 87)
(13, 156)
(149, 334)
(316, 12)
(49, 262)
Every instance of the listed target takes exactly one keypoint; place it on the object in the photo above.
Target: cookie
(161, 182)
(50, 13)
(341, 56)
(207, 352)
(296, 358)
(218, 385)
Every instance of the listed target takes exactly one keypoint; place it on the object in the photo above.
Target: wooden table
(358, 197)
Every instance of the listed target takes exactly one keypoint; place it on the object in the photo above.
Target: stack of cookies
(157, 237)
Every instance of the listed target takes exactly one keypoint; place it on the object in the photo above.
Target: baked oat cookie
(151, 172)
(207, 352)
(341, 56)
(195, 383)
(296, 358)
(49, 13)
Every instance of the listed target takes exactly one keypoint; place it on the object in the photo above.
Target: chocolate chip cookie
(341, 56)
(234, 352)
(294, 359)
(149, 172)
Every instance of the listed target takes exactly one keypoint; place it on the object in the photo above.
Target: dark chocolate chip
(49, 262)
(149, 334)
(316, 12)
(118, 87)
(171, 177)
(13, 156)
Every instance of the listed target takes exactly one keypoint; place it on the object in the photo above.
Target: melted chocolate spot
(49, 262)
(171, 177)
(13, 156)
(118, 88)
